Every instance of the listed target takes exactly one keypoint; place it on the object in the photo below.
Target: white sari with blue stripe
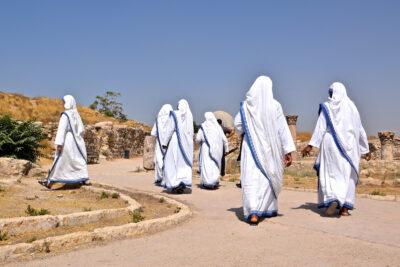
(341, 140)
(212, 141)
(160, 130)
(178, 158)
(70, 165)
(267, 139)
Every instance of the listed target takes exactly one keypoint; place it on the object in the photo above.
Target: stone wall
(105, 140)
(93, 144)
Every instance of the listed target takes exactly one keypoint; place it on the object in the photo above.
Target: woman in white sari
(267, 146)
(70, 164)
(160, 130)
(178, 159)
(212, 141)
(341, 140)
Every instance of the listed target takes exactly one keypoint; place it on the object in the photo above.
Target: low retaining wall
(68, 241)
(21, 225)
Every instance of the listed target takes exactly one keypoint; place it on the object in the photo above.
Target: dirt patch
(75, 200)
(33, 236)
(15, 198)
(152, 207)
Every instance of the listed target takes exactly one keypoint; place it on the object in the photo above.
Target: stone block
(148, 152)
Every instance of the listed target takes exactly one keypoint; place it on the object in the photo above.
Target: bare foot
(253, 219)
(344, 211)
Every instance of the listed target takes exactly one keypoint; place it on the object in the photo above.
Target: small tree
(20, 140)
(109, 106)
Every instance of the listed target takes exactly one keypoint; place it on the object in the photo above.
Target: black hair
(219, 121)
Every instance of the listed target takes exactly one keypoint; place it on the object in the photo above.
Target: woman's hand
(368, 156)
(59, 148)
(306, 151)
(288, 159)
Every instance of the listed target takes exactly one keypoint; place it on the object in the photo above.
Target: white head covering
(214, 134)
(260, 111)
(185, 125)
(346, 122)
(162, 122)
(73, 114)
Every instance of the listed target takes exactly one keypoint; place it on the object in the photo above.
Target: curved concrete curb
(374, 197)
(57, 243)
(20, 225)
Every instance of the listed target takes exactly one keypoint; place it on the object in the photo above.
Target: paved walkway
(217, 236)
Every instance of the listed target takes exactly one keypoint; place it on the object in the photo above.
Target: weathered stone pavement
(217, 236)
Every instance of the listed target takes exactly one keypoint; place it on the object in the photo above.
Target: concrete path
(217, 235)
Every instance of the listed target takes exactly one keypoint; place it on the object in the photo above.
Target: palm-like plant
(20, 140)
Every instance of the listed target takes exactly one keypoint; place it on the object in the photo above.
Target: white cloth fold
(160, 131)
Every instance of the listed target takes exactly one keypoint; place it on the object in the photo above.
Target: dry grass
(30, 237)
(152, 207)
(304, 136)
(78, 201)
(46, 110)
(15, 199)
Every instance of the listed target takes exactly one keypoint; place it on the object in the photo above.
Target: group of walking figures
(266, 149)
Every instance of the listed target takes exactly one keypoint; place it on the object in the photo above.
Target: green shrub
(137, 217)
(378, 193)
(3, 236)
(177, 210)
(115, 195)
(161, 200)
(104, 195)
(34, 212)
(20, 140)
(30, 240)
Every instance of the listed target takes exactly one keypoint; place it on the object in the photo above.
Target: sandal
(45, 184)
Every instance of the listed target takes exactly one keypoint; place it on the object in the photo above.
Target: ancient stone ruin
(106, 140)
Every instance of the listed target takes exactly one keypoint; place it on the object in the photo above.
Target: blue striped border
(337, 142)
(262, 213)
(172, 113)
(252, 149)
(209, 147)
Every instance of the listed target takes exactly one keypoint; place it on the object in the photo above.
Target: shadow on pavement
(207, 188)
(186, 191)
(314, 208)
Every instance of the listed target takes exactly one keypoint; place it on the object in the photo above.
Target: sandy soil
(15, 198)
(218, 236)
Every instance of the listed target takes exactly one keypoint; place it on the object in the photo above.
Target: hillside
(44, 109)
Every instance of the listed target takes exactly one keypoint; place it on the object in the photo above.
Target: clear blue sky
(209, 52)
